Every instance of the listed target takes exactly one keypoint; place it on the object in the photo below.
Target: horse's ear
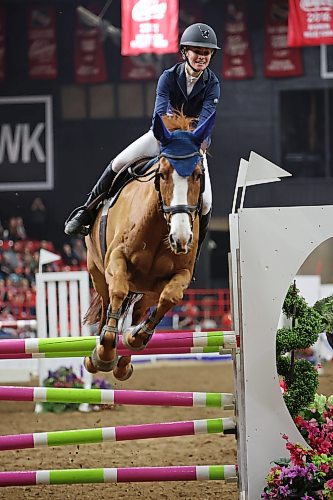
(160, 131)
(205, 129)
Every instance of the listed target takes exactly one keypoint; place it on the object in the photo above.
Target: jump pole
(118, 433)
(88, 343)
(117, 396)
(120, 475)
(122, 352)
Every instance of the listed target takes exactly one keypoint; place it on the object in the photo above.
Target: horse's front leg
(101, 288)
(170, 296)
(117, 280)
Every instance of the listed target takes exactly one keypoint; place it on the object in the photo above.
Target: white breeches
(147, 145)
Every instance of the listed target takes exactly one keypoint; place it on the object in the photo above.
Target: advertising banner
(42, 43)
(237, 59)
(149, 26)
(26, 143)
(310, 22)
(279, 59)
(90, 64)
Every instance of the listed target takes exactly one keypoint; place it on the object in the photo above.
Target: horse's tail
(94, 313)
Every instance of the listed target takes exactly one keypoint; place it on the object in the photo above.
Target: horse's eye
(162, 176)
(196, 176)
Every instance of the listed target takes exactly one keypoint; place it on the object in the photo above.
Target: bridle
(191, 210)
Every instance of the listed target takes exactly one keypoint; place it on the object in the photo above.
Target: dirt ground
(188, 450)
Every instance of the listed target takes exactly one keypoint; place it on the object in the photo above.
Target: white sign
(26, 143)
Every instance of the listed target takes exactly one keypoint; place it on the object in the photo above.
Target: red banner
(279, 59)
(138, 68)
(149, 26)
(42, 45)
(237, 60)
(310, 23)
(90, 64)
(2, 42)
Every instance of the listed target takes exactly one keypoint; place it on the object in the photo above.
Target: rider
(189, 86)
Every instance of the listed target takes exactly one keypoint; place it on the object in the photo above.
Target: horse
(151, 243)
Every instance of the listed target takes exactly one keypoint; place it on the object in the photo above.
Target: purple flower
(284, 490)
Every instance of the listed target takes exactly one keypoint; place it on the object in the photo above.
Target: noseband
(191, 210)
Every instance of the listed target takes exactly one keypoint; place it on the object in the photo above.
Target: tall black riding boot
(203, 229)
(84, 216)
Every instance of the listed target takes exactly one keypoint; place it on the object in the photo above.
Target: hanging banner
(237, 60)
(279, 59)
(42, 43)
(138, 68)
(2, 42)
(310, 22)
(90, 64)
(149, 26)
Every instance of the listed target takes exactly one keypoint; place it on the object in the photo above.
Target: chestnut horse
(152, 238)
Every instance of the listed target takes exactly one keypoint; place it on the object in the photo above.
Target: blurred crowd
(20, 243)
(19, 262)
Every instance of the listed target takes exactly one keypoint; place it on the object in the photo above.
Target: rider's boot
(203, 229)
(84, 216)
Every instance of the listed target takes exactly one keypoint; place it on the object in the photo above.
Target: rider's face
(199, 57)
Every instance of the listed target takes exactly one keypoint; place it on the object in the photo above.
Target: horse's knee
(170, 297)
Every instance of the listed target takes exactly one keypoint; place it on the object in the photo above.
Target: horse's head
(180, 177)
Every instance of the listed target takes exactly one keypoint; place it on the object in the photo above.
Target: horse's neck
(151, 204)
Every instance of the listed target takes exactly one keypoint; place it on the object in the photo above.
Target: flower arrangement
(316, 424)
(307, 475)
(65, 377)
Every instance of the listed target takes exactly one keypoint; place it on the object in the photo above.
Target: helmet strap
(190, 65)
(183, 53)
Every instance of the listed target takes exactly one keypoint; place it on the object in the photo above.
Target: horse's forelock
(178, 121)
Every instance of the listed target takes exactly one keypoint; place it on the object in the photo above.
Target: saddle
(127, 174)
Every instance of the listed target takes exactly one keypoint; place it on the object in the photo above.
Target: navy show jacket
(171, 93)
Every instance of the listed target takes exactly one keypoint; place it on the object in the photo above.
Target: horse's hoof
(88, 364)
(123, 373)
(127, 336)
(99, 364)
(132, 334)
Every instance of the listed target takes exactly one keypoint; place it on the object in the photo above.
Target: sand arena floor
(188, 450)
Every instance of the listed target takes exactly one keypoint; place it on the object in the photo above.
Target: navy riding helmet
(199, 35)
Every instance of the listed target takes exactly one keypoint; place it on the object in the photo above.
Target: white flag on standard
(46, 257)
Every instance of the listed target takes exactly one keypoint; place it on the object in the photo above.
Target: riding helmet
(199, 35)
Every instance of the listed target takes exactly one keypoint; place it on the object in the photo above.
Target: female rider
(189, 86)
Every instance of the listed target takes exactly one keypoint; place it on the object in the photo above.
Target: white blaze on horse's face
(180, 234)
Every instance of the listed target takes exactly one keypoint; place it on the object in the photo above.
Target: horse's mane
(178, 121)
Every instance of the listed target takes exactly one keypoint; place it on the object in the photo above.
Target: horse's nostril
(190, 239)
